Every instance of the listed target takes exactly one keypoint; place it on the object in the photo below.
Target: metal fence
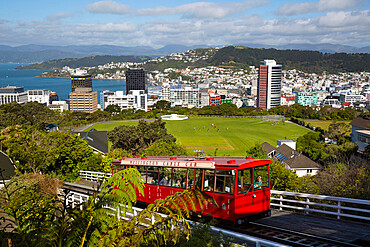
(94, 176)
(77, 199)
(326, 205)
(307, 203)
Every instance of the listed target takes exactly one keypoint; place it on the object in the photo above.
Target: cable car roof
(194, 162)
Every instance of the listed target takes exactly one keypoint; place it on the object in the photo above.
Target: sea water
(29, 80)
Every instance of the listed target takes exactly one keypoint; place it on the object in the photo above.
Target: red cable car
(240, 186)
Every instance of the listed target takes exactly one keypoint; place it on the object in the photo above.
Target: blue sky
(158, 23)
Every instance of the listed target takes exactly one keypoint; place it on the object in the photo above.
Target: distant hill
(82, 62)
(325, 48)
(40, 53)
(233, 57)
(308, 61)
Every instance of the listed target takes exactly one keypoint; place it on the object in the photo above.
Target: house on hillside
(360, 132)
(97, 140)
(291, 158)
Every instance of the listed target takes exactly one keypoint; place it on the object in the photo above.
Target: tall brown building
(84, 100)
(81, 79)
(262, 87)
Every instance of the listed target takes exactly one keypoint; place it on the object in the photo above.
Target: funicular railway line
(262, 231)
(285, 236)
(241, 195)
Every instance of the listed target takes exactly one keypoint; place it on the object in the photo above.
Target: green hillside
(82, 62)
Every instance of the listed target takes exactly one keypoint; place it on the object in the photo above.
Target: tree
(339, 131)
(59, 153)
(135, 139)
(113, 154)
(349, 179)
(311, 146)
(98, 225)
(282, 178)
(113, 109)
(160, 148)
(162, 105)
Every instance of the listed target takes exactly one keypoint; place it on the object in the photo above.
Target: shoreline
(63, 77)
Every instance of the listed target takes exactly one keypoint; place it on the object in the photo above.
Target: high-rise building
(269, 85)
(81, 79)
(12, 94)
(136, 80)
(84, 100)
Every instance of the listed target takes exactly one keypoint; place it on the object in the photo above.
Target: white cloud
(203, 9)
(320, 6)
(58, 16)
(342, 20)
(109, 7)
(340, 27)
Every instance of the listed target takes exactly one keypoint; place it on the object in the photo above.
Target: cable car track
(285, 236)
(259, 230)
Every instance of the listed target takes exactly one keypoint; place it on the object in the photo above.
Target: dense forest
(82, 62)
(233, 57)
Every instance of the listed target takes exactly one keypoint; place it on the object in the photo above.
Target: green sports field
(324, 124)
(230, 136)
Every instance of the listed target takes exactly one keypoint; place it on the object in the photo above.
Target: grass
(230, 136)
(324, 124)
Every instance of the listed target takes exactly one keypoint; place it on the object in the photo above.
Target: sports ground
(223, 136)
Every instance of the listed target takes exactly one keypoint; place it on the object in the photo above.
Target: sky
(157, 23)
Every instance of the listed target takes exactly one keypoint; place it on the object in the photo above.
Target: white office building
(39, 95)
(166, 93)
(13, 94)
(104, 97)
(186, 97)
(136, 99)
(58, 106)
(352, 98)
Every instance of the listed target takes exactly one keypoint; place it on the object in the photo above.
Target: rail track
(258, 230)
(285, 236)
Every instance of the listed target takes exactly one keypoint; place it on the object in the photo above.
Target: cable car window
(198, 179)
(244, 180)
(225, 180)
(179, 177)
(165, 175)
(142, 170)
(209, 180)
(152, 175)
(190, 179)
(261, 177)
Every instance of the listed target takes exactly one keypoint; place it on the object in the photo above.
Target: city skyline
(159, 23)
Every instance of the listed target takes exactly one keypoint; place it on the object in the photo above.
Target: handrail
(77, 199)
(305, 205)
(292, 203)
